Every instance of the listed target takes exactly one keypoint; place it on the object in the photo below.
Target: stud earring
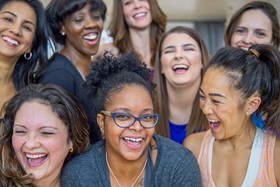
(71, 149)
(247, 113)
(62, 33)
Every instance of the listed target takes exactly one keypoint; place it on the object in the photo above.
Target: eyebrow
(26, 21)
(184, 45)
(214, 94)
(128, 111)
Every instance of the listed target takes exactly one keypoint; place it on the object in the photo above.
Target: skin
(181, 49)
(40, 133)
(78, 48)
(18, 25)
(235, 134)
(126, 158)
(140, 8)
(252, 31)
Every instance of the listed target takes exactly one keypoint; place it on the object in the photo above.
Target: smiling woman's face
(40, 141)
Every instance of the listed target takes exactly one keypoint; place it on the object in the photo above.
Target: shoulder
(175, 164)
(171, 149)
(87, 159)
(194, 141)
(277, 160)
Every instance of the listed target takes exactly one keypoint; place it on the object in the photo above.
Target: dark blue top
(61, 71)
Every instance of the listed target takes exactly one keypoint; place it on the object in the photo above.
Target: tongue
(36, 160)
(181, 70)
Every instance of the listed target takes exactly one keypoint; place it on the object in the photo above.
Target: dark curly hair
(110, 74)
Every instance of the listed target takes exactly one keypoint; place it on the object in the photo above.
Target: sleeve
(187, 172)
(61, 78)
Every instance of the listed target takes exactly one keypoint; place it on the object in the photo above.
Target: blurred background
(209, 17)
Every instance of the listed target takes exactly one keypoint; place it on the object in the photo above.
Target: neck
(141, 43)
(6, 71)
(181, 101)
(81, 61)
(124, 172)
(244, 138)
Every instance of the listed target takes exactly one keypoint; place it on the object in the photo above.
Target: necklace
(117, 179)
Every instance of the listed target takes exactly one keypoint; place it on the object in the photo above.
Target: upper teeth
(133, 139)
(245, 48)
(90, 37)
(10, 40)
(35, 156)
(213, 121)
(180, 66)
(139, 15)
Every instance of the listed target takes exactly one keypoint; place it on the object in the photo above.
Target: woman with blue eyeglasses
(130, 154)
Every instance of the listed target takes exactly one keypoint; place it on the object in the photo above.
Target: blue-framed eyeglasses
(125, 120)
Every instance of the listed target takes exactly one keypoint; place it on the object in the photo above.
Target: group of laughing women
(150, 109)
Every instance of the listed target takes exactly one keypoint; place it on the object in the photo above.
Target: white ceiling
(190, 10)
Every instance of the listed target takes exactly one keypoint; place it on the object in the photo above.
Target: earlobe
(100, 120)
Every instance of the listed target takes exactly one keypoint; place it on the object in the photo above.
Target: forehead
(25, 11)
(130, 96)
(178, 39)
(215, 80)
(255, 19)
(28, 115)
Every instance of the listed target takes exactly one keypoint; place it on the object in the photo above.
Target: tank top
(260, 171)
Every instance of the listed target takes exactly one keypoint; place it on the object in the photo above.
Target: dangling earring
(71, 149)
(62, 33)
(27, 56)
(102, 134)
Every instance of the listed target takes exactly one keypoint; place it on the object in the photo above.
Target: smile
(11, 41)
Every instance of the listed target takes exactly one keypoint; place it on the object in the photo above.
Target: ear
(100, 122)
(62, 29)
(253, 104)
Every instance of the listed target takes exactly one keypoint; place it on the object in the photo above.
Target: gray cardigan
(175, 166)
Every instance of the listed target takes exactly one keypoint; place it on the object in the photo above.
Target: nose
(32, 141)
(178, 54)
(136, 126)
(91, 23)
(16, 29)
(137, 4)
(248, 39)
(206, 107)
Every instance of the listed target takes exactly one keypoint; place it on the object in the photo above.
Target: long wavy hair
(119, 31)
(197, 120)
(67, 109)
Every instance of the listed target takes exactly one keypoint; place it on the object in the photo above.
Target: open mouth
(36, 158)
(91, 36)
(214, 124)
(133, 140)
(180, 68)
(140, 15)
(11, 41)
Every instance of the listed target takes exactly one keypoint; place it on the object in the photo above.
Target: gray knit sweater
(175, 167)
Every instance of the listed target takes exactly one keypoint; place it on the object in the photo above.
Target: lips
(34, 160)
(90, 36)
(140, 15)
(10, 40)
(214, 124)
